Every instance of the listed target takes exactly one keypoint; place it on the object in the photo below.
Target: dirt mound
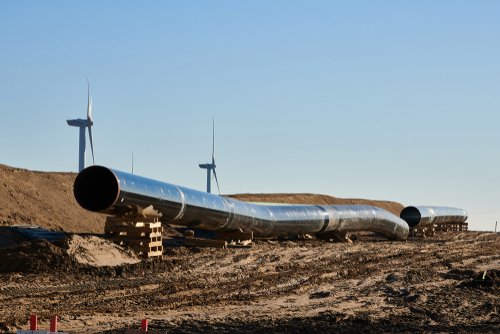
(96, 251)
(76, 255)
(170, 232)
(393, 207)
(45, 199)
(69, 253)
(35, 256)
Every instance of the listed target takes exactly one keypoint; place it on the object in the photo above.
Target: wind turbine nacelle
(77, 122)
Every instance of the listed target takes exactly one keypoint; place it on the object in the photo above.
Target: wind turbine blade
(215, 174)
(91, 143)
(132, 162)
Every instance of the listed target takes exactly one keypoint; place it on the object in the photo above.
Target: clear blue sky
(390, 100)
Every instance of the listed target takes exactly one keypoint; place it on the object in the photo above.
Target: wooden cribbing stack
(430, 231)
(445, 227)
(142, 234)
(442, 227)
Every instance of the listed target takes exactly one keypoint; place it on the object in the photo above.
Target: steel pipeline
(429, 215)
(108, 191)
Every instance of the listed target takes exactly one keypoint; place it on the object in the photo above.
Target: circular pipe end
(96, 188)
(411, 216)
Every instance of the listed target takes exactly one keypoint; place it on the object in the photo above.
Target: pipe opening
(96, 188)
(411, 216)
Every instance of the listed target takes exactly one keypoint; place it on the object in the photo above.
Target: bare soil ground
(278, 286)
(372, 285)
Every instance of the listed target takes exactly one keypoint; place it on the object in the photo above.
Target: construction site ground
(372, 285)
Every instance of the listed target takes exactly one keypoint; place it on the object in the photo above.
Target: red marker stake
(53, 324)
(144, 325)
(33, 323)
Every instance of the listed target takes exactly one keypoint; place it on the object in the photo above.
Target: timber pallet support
(442, 227)
(430, 231)
(143, 235)
(419, 232)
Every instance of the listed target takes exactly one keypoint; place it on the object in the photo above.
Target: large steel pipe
(108, 191)
(429, 215)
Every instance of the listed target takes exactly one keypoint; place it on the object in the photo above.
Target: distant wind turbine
(210, 167)
(82, 124)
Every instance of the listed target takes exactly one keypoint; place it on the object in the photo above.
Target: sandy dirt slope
(45, 199)
(371, 286)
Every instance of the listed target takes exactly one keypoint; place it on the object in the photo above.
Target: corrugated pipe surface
(100, 189)
(428, 215)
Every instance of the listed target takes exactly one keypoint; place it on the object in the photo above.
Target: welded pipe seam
(183, 207)
(108, 191)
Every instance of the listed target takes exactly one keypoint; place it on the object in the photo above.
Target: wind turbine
(211, 166)
(82, 124)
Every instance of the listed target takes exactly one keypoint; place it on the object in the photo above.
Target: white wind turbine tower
(211, 166)
(82, 124)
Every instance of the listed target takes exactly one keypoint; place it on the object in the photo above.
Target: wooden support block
(195, 242)
(144, 244)
(418, 232)
(132, 242)
(134, 230)
(233, 236)
(147, 255)
(144, 224)
(131, 238)
(430, 232)
(143, 235)
(442, 227)
(146, 249)
(123, 219)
